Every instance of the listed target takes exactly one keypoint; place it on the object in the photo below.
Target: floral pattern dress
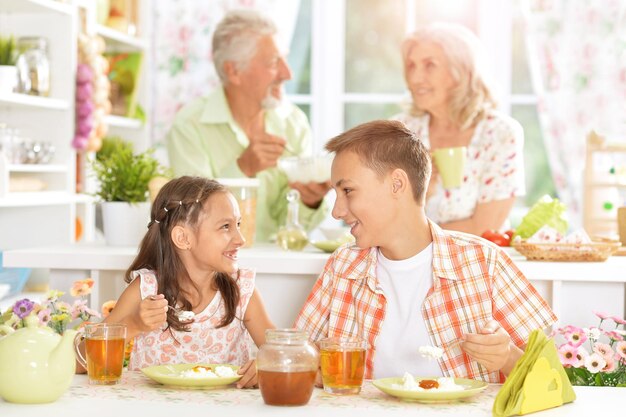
(205, 342)
(494, 169)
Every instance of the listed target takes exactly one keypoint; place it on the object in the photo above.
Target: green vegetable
(546, 211)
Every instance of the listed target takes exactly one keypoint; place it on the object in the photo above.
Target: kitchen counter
(284, 279)
(137, 395)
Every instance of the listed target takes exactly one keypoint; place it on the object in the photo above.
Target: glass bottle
(292, 236)
(287, 365)
(33, 66)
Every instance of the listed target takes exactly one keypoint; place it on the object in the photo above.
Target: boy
(406, 283)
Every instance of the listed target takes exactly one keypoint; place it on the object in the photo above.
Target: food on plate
(431, 352)
(442, 384)
(202, 371)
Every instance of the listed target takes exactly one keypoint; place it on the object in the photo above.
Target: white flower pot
(8, 78)
(124, 224)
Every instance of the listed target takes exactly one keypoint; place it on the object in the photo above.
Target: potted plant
(8, 70)
(123, 178)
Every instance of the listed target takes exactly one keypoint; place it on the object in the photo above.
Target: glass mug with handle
(104, 351)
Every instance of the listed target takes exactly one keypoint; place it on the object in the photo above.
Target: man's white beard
(270, 102)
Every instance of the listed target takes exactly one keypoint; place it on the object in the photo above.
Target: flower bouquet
(52, 312)
(604, 363)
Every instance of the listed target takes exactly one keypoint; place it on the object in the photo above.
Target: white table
(284, 279)
(136, 395)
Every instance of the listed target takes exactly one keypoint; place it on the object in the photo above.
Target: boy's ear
(180, 238)
(399, 182)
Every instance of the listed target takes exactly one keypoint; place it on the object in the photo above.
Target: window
(347, 67)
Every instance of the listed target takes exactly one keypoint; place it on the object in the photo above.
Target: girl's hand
(249, 379)
(152, 313)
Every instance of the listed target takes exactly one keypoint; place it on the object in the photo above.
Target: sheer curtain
(577, 55)
(182, 65)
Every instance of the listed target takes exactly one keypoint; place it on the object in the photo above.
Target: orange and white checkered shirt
(473, 282)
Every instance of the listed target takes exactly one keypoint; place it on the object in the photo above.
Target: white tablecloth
(138, 396)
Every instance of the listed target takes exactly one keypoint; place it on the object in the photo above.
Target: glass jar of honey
(245, 192)
(287, 365)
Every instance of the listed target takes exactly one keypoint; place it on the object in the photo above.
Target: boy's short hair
(384, 145)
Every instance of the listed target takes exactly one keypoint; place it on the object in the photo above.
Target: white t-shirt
(405, 284)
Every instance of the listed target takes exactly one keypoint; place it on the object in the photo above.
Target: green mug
(450, 163)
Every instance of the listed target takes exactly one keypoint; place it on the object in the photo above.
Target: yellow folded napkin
(537, 382)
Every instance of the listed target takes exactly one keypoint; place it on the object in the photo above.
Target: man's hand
(311, 193)
(262, 153)
(491, 347)
(152, 313)
(249, 379)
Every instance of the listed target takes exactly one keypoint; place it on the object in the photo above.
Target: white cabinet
(45, 216)
(48, 216)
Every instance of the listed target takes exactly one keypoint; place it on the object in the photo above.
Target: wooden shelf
(123, 122)
(36, 7)
(116, 40)
(24, 100)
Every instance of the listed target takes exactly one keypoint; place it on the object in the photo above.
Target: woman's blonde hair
(472, 97)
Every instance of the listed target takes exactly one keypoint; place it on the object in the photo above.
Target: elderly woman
(452, 106)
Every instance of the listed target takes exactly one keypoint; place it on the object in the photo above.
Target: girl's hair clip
(197, 200)
(180, 203)
(165, 208)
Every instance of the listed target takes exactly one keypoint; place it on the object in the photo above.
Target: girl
(187, 261)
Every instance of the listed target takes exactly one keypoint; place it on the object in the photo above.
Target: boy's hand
(249, 379)
(490, 347)
(152, 313)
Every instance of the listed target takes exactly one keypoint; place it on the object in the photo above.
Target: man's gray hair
(236, 36)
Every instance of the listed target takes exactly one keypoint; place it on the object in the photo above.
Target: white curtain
(577, 55)
(182, 65)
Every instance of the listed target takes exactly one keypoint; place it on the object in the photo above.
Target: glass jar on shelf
(33, 66)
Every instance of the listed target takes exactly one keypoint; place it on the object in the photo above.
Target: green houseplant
(123, 178)
(8, 70)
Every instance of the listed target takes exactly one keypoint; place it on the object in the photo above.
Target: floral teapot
(36, 364)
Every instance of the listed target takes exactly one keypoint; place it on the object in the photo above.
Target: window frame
(328, 98)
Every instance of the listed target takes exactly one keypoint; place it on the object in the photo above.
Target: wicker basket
(597, 251)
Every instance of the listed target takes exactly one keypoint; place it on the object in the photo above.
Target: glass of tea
(342, 360)
(104, 351)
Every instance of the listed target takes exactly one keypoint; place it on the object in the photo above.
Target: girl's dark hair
(180, 201)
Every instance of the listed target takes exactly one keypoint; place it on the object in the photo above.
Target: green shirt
(205, 140)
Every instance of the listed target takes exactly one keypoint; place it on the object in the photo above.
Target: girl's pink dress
(205, 343)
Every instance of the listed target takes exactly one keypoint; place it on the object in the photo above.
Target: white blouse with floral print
(205, 342)
(494, 168)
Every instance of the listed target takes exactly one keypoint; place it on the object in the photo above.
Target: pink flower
(618, 320)
(576, 337)
(604, 350)
(568, 355)
(614, 335)
(581, 355)
(601, 315)
(610, 365)
(44, 316)
(594, 363)
(620, 349)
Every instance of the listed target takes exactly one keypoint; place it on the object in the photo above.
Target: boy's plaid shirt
(473, 282)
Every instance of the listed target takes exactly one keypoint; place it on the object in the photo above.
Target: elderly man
(244, 126)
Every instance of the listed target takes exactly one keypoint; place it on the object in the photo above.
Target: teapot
(36, 364)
